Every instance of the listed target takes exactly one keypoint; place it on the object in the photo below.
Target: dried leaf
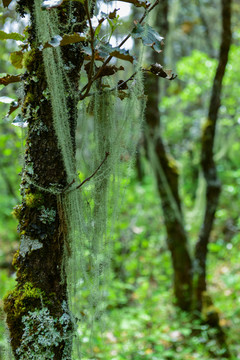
(108, 70)
(158, 70)
(113, 14)
(122, 85)
(9, 79)
(6, 2)
(14, 106)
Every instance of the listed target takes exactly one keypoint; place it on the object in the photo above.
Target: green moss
(29, 59)
(18, 303)
(33, 200)
(15, 259)
(17, 210)
(22, 298)
(173, 164)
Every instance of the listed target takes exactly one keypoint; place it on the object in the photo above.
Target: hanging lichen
(85, 213)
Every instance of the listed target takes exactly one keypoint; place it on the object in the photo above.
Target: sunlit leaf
(138, 3)
(16, 59)
(8, 79)
(19, 121)
(72, 39)
(11, 36)
(148, 36)
(49, 4)
(55, 41)
(6, 100)
(65, 40)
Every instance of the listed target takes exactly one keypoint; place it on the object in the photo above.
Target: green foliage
(12, 36)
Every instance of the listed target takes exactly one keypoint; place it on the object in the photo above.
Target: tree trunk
(166, 174)
(38, 317)
(207, 157)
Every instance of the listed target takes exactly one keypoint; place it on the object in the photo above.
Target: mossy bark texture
(41, 278)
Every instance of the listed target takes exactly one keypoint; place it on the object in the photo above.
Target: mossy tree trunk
(189, 294)
(166, 174)
(38, 317)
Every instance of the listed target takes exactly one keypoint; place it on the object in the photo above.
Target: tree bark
(166, 173)
(207, 157)
(37, 312)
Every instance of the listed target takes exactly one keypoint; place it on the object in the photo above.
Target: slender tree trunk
(39, 321)
(207, 157)
(166, 174)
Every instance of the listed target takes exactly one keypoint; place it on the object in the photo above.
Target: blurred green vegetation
(141, 321)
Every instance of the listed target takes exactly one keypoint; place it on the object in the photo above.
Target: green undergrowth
(141, 321)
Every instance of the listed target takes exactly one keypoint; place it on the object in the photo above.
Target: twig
(68, 186)
(92, 46)
(122, 83)
(89, 178)
(88, 86)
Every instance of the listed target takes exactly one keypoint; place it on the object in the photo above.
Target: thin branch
(68, 186)
(88, 86)
(90, 177)
(92, 46)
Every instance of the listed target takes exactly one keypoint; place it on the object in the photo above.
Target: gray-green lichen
(47, 215)
(28, 245)
(42, 333)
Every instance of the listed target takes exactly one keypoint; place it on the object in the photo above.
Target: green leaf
(148, 36)
(9, 79)
(72, 39)
(12, 36)
(67, 39)
(106, 50)
(16, 59)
